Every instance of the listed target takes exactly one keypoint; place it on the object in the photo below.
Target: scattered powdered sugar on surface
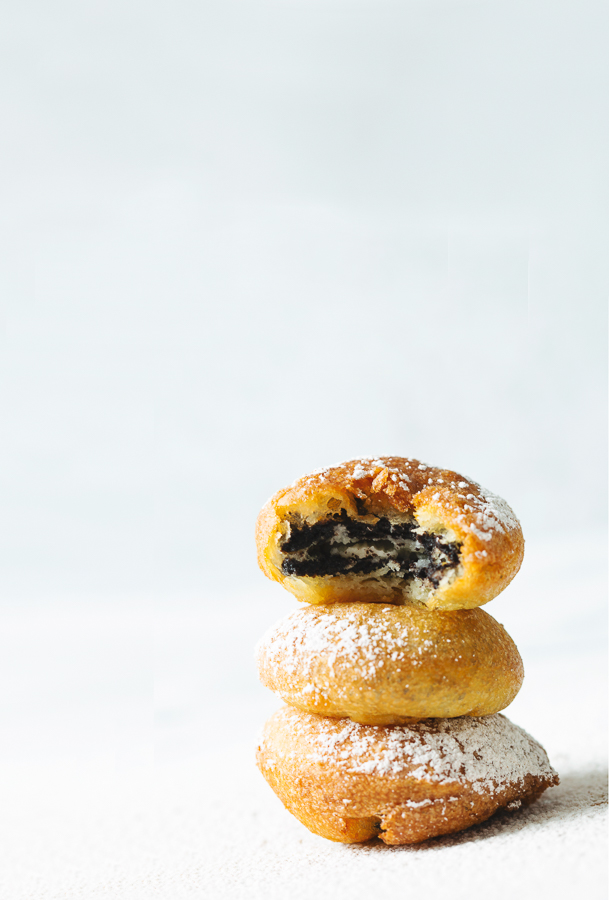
(295, 643)
(490, 513)
(494, 511)
(486, 752)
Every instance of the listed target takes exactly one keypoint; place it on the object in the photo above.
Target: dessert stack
(393, 676)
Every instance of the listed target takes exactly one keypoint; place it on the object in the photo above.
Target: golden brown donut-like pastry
(403, 784)
(380, 664)
(389, 530)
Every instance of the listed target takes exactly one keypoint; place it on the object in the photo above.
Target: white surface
(128, 772)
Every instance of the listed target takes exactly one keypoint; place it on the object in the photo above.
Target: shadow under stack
(393, 675)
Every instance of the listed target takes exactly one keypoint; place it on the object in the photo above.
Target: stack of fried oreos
(393, 676)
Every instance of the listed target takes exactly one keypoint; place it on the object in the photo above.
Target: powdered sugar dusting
(479, 511)
(295, 643)
(485, 752)
(494, 512)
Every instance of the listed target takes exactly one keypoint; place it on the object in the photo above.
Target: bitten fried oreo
(381, 664)
(390, 530)
(403, 784)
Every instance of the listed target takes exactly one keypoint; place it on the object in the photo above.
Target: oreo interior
(340, 545)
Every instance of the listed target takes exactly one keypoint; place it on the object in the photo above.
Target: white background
(242, 240)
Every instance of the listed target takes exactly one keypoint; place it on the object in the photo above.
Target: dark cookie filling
(339, 545)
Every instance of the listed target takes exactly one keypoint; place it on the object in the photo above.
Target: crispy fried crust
(381, 664)
(440, 501)
(351, 783)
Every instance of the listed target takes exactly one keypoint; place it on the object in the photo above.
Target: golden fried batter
(403, 784)
(380, 664)
(390, 530)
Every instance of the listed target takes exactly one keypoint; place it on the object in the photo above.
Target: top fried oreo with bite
(391, 530)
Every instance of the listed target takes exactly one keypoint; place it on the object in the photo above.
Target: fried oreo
(402, 784)
(389, 530)
(380, 664)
